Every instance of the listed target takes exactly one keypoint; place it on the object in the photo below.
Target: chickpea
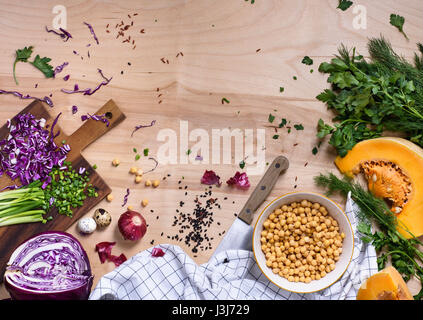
(301, 241)
(147, 183)
(144, 202)
(156, 183)
(133, 170)
(115, 162)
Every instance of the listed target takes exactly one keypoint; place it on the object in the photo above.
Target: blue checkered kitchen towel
(230, 275)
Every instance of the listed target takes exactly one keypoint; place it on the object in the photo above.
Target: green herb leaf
(22, 55)
(224, 100)
(137, 157)
(146, 150)
(398, 22)
(283, 123)
(135, 150)
(189, 152)
(42, 65)
(281, 89)
(307, 61)
(276, 136)
(315, 150)
(242, 164)
(271, 118)
(299, 126)
(344, 4)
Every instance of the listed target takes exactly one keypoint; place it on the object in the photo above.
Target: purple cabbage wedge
(49, 266)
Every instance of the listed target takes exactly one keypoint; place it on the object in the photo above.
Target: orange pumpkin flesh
(385, 285)
(393, 168)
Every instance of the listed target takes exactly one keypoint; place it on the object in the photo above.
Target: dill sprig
(383, 54)
(391, 245)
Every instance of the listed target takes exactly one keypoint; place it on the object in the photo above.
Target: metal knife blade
(239, 235)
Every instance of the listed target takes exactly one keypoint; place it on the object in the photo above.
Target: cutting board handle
(263, 188)
(91, 130)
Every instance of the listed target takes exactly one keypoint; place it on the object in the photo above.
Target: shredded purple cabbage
(89, 91)
(125, 198)
(143, 126)
(11, 187)
(92, 32)
(65, 35)
(59, 68)
(74, 109)
(156, 163)
(29, 152)
(66, 77)
(22, 96)
(101, 118)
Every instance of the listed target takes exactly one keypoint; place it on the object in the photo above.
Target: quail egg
(87, 225)
(102, 218)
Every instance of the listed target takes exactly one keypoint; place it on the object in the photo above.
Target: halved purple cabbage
(51, 265)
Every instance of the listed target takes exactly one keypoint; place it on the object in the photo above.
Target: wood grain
(220, 42)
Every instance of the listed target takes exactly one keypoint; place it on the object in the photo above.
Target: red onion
(132, 225)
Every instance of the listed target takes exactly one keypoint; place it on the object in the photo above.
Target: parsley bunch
(370, 97)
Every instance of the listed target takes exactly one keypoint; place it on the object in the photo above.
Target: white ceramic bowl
(347, 246)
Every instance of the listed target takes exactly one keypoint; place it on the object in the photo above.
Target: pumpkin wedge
(393, 168)
(387, 284)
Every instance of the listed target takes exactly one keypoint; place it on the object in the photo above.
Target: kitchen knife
(239, 235)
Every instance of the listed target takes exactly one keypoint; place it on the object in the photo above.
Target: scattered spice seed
(194, 225)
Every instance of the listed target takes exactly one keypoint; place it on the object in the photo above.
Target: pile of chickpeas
(301, 241)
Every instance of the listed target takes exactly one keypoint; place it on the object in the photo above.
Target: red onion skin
(132, 225)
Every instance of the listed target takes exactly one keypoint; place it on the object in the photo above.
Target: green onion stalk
(23, 205)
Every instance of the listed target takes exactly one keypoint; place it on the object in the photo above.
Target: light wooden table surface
(234, 49)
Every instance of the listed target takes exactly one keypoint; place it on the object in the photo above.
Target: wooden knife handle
(91, 130)
(263, 188)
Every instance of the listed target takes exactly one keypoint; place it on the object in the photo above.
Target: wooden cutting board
(90, 130)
